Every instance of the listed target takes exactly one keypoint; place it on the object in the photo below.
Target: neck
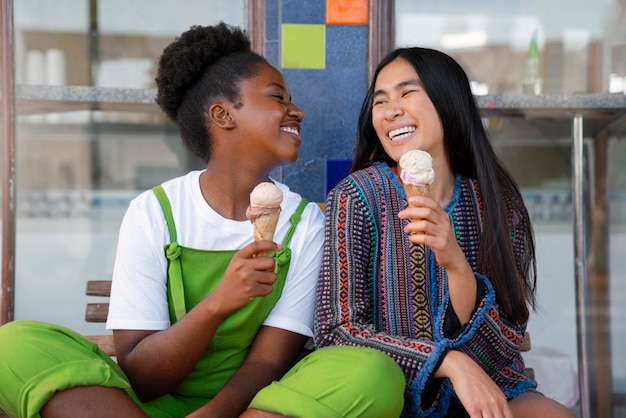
(228, 193)
(442, 189)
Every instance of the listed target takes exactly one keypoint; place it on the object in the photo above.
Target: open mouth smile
(401, 132)
(290, 130)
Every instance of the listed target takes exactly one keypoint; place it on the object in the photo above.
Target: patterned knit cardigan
(377, 289)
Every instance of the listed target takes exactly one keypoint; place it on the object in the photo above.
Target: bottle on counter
(532, 83)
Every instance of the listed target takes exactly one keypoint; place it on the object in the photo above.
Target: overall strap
(294, 219)
(283, 256)
(176, 290)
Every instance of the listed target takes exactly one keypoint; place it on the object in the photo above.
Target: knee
(370, 367)
(14, 336)
(23, 337)
(375, 379)
(378, 375)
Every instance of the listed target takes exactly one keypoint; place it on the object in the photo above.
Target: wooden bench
(97, 312)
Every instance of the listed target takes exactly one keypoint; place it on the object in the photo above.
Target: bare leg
(257, 413)
(532, 405)
(91, 401)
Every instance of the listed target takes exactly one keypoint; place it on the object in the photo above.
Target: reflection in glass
(580, 43)
(89, 137)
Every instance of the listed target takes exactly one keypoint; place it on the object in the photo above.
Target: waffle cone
(265, 226)
(414, 190)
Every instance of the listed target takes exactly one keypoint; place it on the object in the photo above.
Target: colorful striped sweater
(377, 289)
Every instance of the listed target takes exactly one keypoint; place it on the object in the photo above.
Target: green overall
(203, 271)
(39, 359)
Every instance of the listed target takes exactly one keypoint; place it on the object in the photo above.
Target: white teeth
(401, 131)
(290, 130)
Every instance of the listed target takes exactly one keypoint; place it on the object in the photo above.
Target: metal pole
(581, 268)
(7, 120)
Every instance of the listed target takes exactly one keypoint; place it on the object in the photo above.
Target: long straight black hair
(471, 155)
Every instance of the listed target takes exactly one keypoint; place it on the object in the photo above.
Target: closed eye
(379, 100)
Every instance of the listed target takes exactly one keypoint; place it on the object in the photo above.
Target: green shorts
(338, 381)
(38, 359)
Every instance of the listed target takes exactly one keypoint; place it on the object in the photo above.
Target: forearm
(273, 352)
(477, 392)
(160, 362)
(239, 391)
(462, 289)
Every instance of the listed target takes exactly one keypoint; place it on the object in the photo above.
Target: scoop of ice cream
(416, 168)
(265, 198)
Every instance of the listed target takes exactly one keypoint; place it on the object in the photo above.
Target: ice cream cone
(264, 211)
(265, 226)
(415, 190)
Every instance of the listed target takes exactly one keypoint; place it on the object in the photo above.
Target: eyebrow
(400, 85)
(280, 86)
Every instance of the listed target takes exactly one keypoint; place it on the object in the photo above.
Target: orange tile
(346, 12)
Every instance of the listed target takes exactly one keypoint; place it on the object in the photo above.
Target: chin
(291, 159)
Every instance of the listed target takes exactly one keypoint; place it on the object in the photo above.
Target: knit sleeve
(345, 309)
(489, 337)
(494, 343)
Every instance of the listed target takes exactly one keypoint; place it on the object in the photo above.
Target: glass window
(581, 44)
(89, 137)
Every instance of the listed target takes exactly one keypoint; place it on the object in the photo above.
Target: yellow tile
(303, 46)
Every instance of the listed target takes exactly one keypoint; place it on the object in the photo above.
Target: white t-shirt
(138, 292)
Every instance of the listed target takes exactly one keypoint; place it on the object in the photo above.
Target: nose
(393, 110)
(295, 112)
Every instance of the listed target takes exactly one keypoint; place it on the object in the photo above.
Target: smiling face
(402, 113)
(268, 122)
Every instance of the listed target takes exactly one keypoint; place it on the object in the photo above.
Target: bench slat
(98, 288)
(97, 312)
(105, 342)
(525, 342)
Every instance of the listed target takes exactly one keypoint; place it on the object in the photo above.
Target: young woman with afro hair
(201, 318)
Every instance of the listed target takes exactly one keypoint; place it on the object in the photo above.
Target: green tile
(303, 46)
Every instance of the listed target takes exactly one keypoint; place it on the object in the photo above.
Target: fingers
(250, 271)
(258, 247)
(423, 208)
(252, 265)
(420, 202)
(435, 226)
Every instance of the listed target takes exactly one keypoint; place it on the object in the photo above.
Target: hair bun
(184, 61)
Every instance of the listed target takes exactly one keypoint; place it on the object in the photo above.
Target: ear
(220, 116)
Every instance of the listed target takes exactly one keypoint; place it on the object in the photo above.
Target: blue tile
(272, 53)
(304, 11)
(336, 170)
(272, 20)
(331, 101)
(346, 47)
(330, 98)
